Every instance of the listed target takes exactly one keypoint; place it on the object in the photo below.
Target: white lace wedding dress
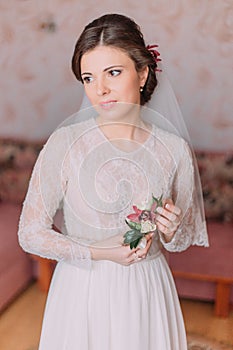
(101, 305)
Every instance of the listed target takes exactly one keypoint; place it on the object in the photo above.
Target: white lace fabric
(45, 195)
(97, 184)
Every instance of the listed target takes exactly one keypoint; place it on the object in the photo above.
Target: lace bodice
(96, 183)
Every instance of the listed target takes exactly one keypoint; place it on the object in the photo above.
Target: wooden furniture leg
(223, 288)
(222, 304)
(45, 274)
(45, 271)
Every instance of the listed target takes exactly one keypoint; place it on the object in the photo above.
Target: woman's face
(109, 76)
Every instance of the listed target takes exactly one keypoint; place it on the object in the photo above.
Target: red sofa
(15, 266)
(207, 273)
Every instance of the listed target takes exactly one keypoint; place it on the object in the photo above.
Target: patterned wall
(38, 90)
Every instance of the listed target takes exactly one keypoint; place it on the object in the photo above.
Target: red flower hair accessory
(155, 54)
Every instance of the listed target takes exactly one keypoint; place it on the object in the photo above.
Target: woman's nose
(102, 87)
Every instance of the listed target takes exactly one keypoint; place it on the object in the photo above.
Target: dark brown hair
(121, 32)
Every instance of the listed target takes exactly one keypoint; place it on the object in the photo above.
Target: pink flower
(135, 217)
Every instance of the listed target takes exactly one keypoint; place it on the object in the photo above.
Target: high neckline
(141, 146)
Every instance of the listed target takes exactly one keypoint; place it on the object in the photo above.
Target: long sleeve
(192, 230)
(45, 194)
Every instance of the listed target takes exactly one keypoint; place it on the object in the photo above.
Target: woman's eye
(114, 72)
(87, 80)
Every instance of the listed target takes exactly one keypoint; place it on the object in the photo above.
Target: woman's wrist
(99, 253)
(94, 253)
(167, 238)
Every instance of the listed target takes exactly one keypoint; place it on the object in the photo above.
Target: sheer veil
(162, 110)
(163, 113)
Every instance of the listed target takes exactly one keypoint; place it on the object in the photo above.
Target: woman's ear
(143, 74)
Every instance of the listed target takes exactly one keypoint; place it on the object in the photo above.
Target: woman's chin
(117, 111)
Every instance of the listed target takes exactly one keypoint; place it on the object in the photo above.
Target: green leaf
(129, 236)
(129, 233)
(134, 243)
(159, 201)
(133, 225)
(132, 236)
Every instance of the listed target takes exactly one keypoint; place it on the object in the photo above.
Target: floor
(20, 324)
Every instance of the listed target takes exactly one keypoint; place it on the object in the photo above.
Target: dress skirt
(113, 307)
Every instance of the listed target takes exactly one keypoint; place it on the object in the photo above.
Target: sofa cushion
(213, 261)
(15, 265)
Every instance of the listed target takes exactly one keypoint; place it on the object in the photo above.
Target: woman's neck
(122, 121)
(133, 132)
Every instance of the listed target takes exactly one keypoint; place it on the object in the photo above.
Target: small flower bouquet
(141, 222)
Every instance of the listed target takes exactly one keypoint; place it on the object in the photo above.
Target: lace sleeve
(45, 194)
(192, 230)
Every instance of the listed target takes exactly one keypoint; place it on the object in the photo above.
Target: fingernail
(159, 210)
(167, 206)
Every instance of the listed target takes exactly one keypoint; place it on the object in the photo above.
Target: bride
(109, 167)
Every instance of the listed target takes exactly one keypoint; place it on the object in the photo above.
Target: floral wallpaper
(38, 90)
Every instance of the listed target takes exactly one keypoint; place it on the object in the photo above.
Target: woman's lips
(108, 104)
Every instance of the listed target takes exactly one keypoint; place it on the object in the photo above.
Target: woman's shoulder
(175, 145)
(61, 139)
(170, 139)
(78, 129)
(66, 133)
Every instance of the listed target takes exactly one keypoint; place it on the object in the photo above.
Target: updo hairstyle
(119, 32)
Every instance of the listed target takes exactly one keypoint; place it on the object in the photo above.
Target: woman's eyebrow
(86, 73)
(105, 69)
(114, 66)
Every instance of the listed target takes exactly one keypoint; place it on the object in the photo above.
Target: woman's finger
(166, 214)
(166, 226)
(138, 254)
(173, 209)
(167, 231)
(142, 253)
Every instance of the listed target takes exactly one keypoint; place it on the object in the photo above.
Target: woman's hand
(168, 220)
(123, 254)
